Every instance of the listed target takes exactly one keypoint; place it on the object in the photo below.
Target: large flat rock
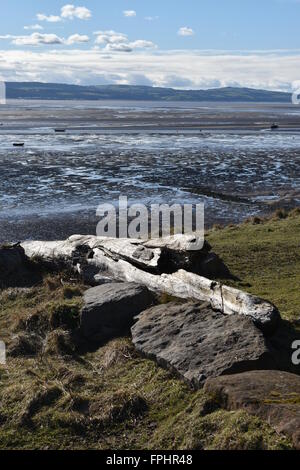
(197, 342)
(271, 395)
(109, 309)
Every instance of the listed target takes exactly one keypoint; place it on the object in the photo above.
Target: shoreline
(60, 226)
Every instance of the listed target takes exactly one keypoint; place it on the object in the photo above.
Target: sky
(186, 44)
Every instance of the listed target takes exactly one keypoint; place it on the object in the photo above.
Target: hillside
(57, 91)
(111, 397)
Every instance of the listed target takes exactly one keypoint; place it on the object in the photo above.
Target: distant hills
(57, 91)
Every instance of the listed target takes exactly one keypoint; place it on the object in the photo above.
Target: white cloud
(49, 18)
(34, 27)
(77, 39)
(38, 39)
(151, 18)
(119, 42)
(194, 69)
(129, 13)
(185, 31)
(110, 37)
(118, 47)
(142, 44)
(113, 41)
(71, 12)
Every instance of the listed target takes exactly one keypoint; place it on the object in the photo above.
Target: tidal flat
(222, 154)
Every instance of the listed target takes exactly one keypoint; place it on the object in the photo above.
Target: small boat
(18, 144)
(274, 126)
(60, 130)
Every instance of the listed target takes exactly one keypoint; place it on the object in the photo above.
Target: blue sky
(184, 44)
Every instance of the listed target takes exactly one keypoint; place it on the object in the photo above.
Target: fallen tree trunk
(116, 258)
(165, 255)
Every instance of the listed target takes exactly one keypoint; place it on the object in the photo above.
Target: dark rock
(271, 395)
(110, 309)
(197, 342)
(12, 261)
(15, 268)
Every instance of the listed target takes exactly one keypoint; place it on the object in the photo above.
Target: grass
(55, 394)
(265, 256)
(112, 398)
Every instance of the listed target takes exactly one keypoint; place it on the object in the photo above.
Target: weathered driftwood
(118, 259)
(144, 254)
(66, 250)
(174, 242)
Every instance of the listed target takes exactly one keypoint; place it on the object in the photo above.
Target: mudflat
(222, 154)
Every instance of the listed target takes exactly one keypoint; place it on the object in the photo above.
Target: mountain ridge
(59, 91)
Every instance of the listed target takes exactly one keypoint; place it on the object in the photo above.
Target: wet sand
(138, 116)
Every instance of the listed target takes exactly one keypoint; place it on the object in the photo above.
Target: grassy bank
(265, 255)
(53, 395)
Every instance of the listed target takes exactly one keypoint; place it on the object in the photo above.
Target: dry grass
(53, 395)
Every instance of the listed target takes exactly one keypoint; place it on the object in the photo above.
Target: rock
(271, 395)
(198, 343)
(12, 260)
(110, 309)
(15, 268)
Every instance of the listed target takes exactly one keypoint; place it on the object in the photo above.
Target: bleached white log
(174, 242)
(108, 257)
(130, 249)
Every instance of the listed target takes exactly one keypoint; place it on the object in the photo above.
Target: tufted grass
(109, 397)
